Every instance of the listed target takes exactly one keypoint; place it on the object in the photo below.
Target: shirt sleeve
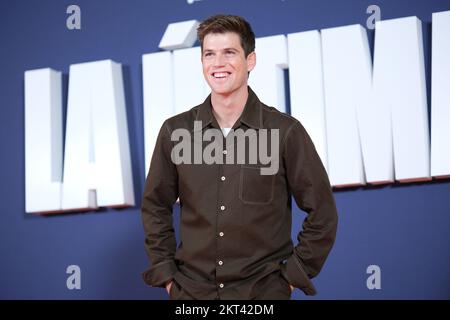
(160, 194)
(309, 184)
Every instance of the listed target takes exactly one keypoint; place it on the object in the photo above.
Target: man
(235, 228)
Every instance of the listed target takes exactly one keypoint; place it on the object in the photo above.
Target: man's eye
(230, 53)
(208, 54)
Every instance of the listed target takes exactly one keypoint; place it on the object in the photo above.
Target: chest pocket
(255, 188)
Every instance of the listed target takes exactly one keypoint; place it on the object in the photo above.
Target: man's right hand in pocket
(168, 286)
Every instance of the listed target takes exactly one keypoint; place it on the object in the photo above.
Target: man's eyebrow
(225, 49)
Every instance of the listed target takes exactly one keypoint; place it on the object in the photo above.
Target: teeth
(220, 74)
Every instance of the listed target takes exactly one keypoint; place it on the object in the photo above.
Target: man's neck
(228, 108)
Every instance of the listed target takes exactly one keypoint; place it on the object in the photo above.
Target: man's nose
(219, 60)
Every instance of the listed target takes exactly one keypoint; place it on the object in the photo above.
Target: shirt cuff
(159, 274)
(295, 274)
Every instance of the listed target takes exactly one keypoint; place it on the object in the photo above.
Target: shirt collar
(251, 115)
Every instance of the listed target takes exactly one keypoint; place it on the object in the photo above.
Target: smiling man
(235, 228)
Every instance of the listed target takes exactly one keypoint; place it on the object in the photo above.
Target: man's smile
(221, 75)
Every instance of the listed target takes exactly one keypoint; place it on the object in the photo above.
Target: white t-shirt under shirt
(225, 131)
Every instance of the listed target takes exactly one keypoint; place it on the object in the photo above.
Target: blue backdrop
(404, 229)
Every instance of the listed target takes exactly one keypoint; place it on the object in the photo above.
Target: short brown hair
(228, 23)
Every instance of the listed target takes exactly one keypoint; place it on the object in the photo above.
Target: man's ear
(251, 61)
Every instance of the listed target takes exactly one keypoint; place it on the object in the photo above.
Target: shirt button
(224, 151)
(222, 178)
(221, 285)
(220, 262)
(221, 234)
(222, 208)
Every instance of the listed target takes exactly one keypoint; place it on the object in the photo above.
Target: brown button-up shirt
(235, 228)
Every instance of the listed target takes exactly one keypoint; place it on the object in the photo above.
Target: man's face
(225, 66)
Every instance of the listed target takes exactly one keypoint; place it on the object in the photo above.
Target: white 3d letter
(440, 95)
(43, 140)
(97, 168)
